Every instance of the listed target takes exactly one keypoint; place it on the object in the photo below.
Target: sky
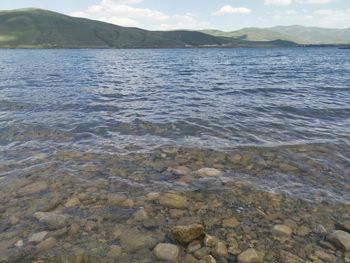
(200, 14)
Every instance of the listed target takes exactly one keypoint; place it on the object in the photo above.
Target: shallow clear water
(125, 101)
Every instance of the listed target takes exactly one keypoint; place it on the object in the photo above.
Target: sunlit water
(109, 102)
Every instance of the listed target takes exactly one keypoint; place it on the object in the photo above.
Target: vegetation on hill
(42, 28)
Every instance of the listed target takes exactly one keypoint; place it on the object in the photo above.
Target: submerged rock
(47, 244)
(186, 234)
(37, 237)
(167, 252)
(249, 256)
(281, 233)
(208, 172)
(340, 239)
(54, 221)
(33, 188)
(73, 202)
(173, 200)
(231, 222)
(221, 249)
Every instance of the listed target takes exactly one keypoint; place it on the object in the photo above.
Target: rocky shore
(174, 205)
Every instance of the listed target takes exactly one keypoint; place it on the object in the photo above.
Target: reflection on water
(104, 152)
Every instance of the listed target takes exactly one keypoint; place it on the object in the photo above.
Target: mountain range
(37, 28)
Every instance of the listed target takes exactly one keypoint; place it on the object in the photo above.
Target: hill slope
(42, 28)
(297, 34)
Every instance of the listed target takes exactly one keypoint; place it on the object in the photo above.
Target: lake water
(122, 101)
(89, 123)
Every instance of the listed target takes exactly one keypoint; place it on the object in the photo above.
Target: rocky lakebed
(171, 205)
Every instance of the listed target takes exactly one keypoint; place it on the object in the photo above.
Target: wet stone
(231, 222)
(188, 233)
(114, 251)
(47, 244)
(210, 241)
(37, 237)
(249, 256)
(208, 172)
(221, 249)
(52, 220)
(133, 240)
(173, 200)
(73, 202)
(340, 239)
(167, 252)
(281, 233)
(34, 188)
(208, 259)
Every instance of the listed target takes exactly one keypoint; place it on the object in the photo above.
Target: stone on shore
(173, 201)
(340, 239)
(52, 220)
(281, 233)
(186, 234)
(208, 172)
(249, 256)
(167, 252)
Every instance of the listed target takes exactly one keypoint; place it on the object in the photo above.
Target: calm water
(126, 101)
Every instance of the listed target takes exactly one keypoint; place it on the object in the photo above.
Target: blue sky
(196, 14)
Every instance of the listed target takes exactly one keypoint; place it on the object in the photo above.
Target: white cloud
(124, 13)
(289, 2)
(331, 18)
(278, 2)
(229, 10)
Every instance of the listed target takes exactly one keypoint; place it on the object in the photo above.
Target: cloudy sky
(200, 14)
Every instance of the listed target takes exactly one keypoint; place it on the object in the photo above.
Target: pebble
(281, 233)
(34, 188)
(73, 202)
(54, 221)
(193, 246)
(167, 252)
(134, 240)
(114, 251)
(47, 244)
(173, 200)
(249, 256)
(179, 170)
(208, 259)
(221, 249)
(19, 243)
(340, 239)
(120, 200)
(208, 172)
(37, 237)
(186, 234)
(140, 215)
(231, 222)
(152, 196)
(210, 241)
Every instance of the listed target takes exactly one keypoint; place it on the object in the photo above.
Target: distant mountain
(297, 34)
(27, 28)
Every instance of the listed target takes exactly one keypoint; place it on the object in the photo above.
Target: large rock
(34, 188)
(173, 200)
(52, 220)
(186, 234)
(167, 252)
(133, 240)
(340, 239)
(281, 233)
(208, 172)
(249, 256)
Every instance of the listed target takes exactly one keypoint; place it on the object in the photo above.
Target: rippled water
(293, 103)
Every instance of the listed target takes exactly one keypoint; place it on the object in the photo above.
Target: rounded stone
(281, 233)
(167, 252)
(173, 200)
(186, 234)
(340, 239)
(249, 256)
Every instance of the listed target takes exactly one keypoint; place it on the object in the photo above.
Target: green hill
(297, 34)
(38, 28)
